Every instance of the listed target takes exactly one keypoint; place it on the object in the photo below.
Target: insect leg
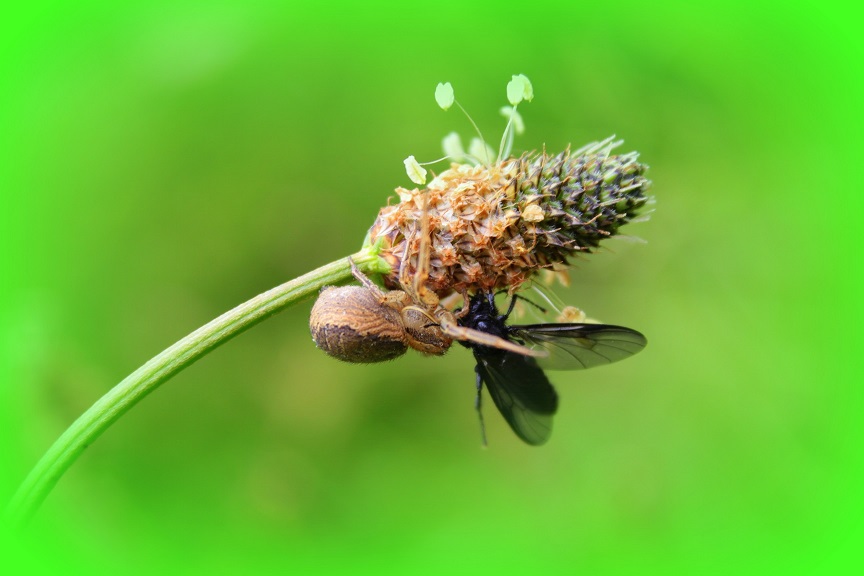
(529, 301)
(509, 308)
(491, 298)
(513, 304)
(477, 405)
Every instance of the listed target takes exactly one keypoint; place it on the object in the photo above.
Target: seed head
(493, 226)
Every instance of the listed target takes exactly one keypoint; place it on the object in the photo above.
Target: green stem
(165, 365)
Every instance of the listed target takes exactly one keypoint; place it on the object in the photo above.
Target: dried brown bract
(493, 227)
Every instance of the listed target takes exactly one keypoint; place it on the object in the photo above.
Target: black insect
(516, 382)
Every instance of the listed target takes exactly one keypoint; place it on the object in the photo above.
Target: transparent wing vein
(580, 346)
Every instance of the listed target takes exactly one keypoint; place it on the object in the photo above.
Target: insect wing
(580, 346)
(521, 392)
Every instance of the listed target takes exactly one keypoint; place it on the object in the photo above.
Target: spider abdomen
(351, 324)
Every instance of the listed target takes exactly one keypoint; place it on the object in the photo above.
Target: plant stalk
(162, 367)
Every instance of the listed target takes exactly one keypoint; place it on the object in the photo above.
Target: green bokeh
(161, 164)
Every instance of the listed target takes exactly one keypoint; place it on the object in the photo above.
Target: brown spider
(365, 324)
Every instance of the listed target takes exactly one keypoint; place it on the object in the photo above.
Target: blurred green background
(163, 162)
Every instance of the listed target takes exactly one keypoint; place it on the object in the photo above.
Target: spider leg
(466, 305)
(456, 332)
(422, 293)
(450, 300)
(404, 266)
(367, 283)
(423, 253)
